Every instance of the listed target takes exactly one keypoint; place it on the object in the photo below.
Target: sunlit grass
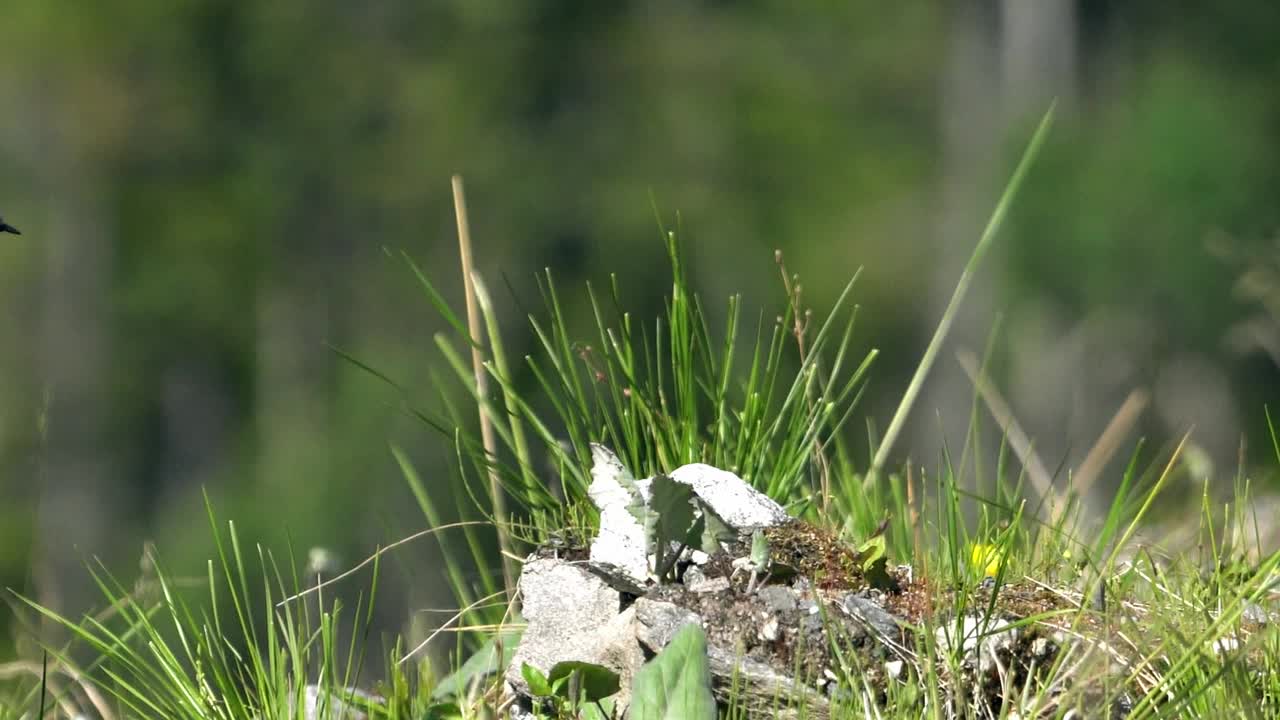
(1179, 631)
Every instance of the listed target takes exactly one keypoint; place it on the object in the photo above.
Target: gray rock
(1253, 612)
(696, 581)
(871, 615)
(777, 598)
(615, 576)
(657, 622)
(753, 685)
(572, 614)
(760, 690)
(811, 617)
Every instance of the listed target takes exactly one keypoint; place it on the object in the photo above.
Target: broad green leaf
(604, 710)
(875, 564)
(759, 550)
(484, 661)
(715, 531)
(595, 682)
(871, 551)
(673, 502)
(538, 683)
(671, 508)
(676, 685)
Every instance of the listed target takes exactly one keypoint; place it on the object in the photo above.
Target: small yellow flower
(986, 558)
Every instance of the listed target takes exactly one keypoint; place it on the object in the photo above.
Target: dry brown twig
(1097, 458)
(482, 384)
(1018, 440)
(791, 284)
(377, 553)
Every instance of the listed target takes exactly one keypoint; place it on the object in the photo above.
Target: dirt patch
(813, 616)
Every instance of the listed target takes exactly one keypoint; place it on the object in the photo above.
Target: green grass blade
(962, 288)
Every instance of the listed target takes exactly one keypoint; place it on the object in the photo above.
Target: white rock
(1042, 648)
(620, 545)
(619, 548)
(981, 642)
(741, 506)
(607, 472)
(769, 631)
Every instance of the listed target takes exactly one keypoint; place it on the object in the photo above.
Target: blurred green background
(206, 189)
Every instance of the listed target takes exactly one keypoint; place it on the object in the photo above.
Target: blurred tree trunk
(294, 367)
(79, 511)
(292, 400)
(1007, 60)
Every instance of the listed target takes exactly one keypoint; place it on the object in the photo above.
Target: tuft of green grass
(160, 652)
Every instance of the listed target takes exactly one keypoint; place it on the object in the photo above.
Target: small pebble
(769, 631)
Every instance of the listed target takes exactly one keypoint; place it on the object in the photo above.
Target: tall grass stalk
(496, 496)
(957, 297)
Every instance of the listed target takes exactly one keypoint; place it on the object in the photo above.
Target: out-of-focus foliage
(205, 188)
